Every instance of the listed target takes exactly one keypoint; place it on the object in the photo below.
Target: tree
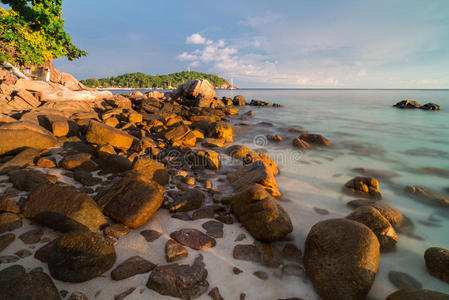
(32, 31)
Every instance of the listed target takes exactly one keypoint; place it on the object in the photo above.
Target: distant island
(143, 81)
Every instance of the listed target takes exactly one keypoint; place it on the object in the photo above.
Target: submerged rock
(180, 281)
(407, 104)
(428, 196)
(315, 139)
(79, 256)
(431, 106)
(437, 262)
(404, 281)
(132, 266)
(341, 259)
(261, 214)
(392, 214)
(417, 294)
(193, 238)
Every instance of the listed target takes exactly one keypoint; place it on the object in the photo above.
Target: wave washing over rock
(187, 195)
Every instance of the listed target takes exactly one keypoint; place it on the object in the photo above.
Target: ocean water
(366, 132)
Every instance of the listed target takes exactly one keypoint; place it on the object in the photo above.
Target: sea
(398, 146)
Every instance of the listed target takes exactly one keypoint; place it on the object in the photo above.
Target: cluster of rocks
(129, 155)
(411, 104)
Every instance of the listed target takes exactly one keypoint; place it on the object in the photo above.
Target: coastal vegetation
(32, 32)
(141, 80)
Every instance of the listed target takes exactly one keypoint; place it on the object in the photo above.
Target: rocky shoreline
(90, 175)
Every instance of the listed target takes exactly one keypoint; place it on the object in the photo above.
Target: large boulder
(363, 186)
(431, 106)
(239, 100)
(131, 202)
(407, 104)
(18, 135)
(341, 259)
(196, 89)
(392, 214)
(437, 262)
(23, 159)
(63, 208)
(68, 95)
(29, 179)
(417, 294)
(31, 286)
(152, 169)
(261, 214)
(205, 159)
(372, 218)
(256, 172)
(220, 130)
(79, 256)
(100, 134)
(180, 281)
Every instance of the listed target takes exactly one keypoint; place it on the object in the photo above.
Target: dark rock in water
(150, 235)
(79, 256)
(435, 171)
(174, 251)
(114, 164)
(403, 281)
(236, 271)
(193, 238)
(321, 211)
(86, 178)
(301, 144)
(339, 251)
(261, 275)
(124, 294)
(23, 253)
(9, 222)
(428, 196)
(79, 161)
(7, 259)
(417, 294)
(292, 253)
(214, 229)
(31, 237)
(431, 106)
(437, 262)
(246, 252)
(261, 214)
(132, 266)
(73, 210)
(43, 253)
(180, 281)
(372, 218)
(35, 285)
(315, 139)
(12, 272)
(28, 179)
(131, 202)
(270, 256)
(6, 240)
(424, 151)
(189, 199)
(215, 294)
(182, 216)
(239, 100)
(220, 130)
(207, 212)
(407, 104)
(363, 186)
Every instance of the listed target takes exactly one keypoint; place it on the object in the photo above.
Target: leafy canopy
(32, 31)
(141, 80)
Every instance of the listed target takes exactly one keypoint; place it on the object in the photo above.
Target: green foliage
(32, 31)
(141, 80)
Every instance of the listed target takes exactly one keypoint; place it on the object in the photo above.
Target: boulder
(34, 285)
(6, 240)
(59, 125)
(29, 179)
(239, 100)
(80, 161)
(256, 172)
(174, 251)
(437, 262)
(32, 85)
(205, 159)
(80, 256)
(100, 134)
(193, 238)
(180, 281)
(63, 208)
(58, 95)
(417, 294)
(177, 133)
(27, 97)
(23, 159)
(363, 186)
(131, 202)
(131, 267)
(114, 163)
(392, 214)
(195, 89)
(261, 214)
(19, 135)
(238, 151)
(152, 169)
(9, 222)
(220, 130)
(301, 144)
(407, 104)
(191, 138)
(315, 139)
(431, 106)
(375, 221)
(341, 259)
(188, 200)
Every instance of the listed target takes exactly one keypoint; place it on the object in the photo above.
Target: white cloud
(196, 39)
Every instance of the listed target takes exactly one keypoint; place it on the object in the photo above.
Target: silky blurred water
(366, 132)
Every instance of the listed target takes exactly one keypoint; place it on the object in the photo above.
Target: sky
(284, 43)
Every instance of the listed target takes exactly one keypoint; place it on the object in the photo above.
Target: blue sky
(284, 43)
